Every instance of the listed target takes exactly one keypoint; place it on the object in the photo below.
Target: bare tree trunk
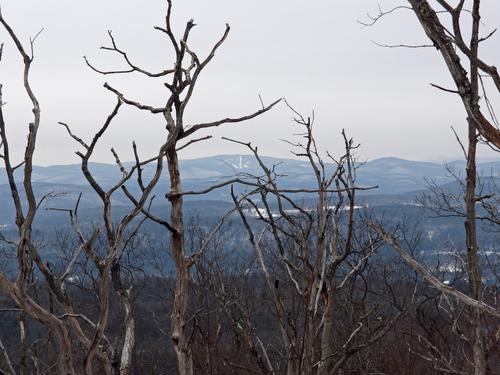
(128, 347)
(306, 362)
(473, 258)
(473, 254)
(179, 319)
(7, 359)
(129, 341)
(65, 357)
(55, 325)
(101, 325)
(327, 349)
(23, 356)
(181, 296)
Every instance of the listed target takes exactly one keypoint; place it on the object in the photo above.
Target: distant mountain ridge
(391, 174)
(394, 175)
(398, 182)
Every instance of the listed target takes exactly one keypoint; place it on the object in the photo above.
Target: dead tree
(453, 46)
(449, 42)
(27, 254)
(117, 239)
(310, 255)
(93, 340)
(227, 281)
(468, 89)
(182, 79)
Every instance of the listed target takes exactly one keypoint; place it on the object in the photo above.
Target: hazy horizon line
(437, 160)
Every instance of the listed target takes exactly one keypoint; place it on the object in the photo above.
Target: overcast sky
(314, 53)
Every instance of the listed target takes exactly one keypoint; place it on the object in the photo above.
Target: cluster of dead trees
(312, 296)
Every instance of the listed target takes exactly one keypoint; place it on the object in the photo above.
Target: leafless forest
(311, 285)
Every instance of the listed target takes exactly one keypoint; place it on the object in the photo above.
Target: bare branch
(444, 89)
(374, 19)
(132, 67)
(7, 358)
(403, 45)
(432, 280)
(132, 103)
(15, 39)
(191, 129)
(259, 185)
(90, 149)
(79, 140)
(209, 238)
(148, 213)
(459, 142)
(32, 43)
(119, 163)
(487, 36)
(193, 141)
